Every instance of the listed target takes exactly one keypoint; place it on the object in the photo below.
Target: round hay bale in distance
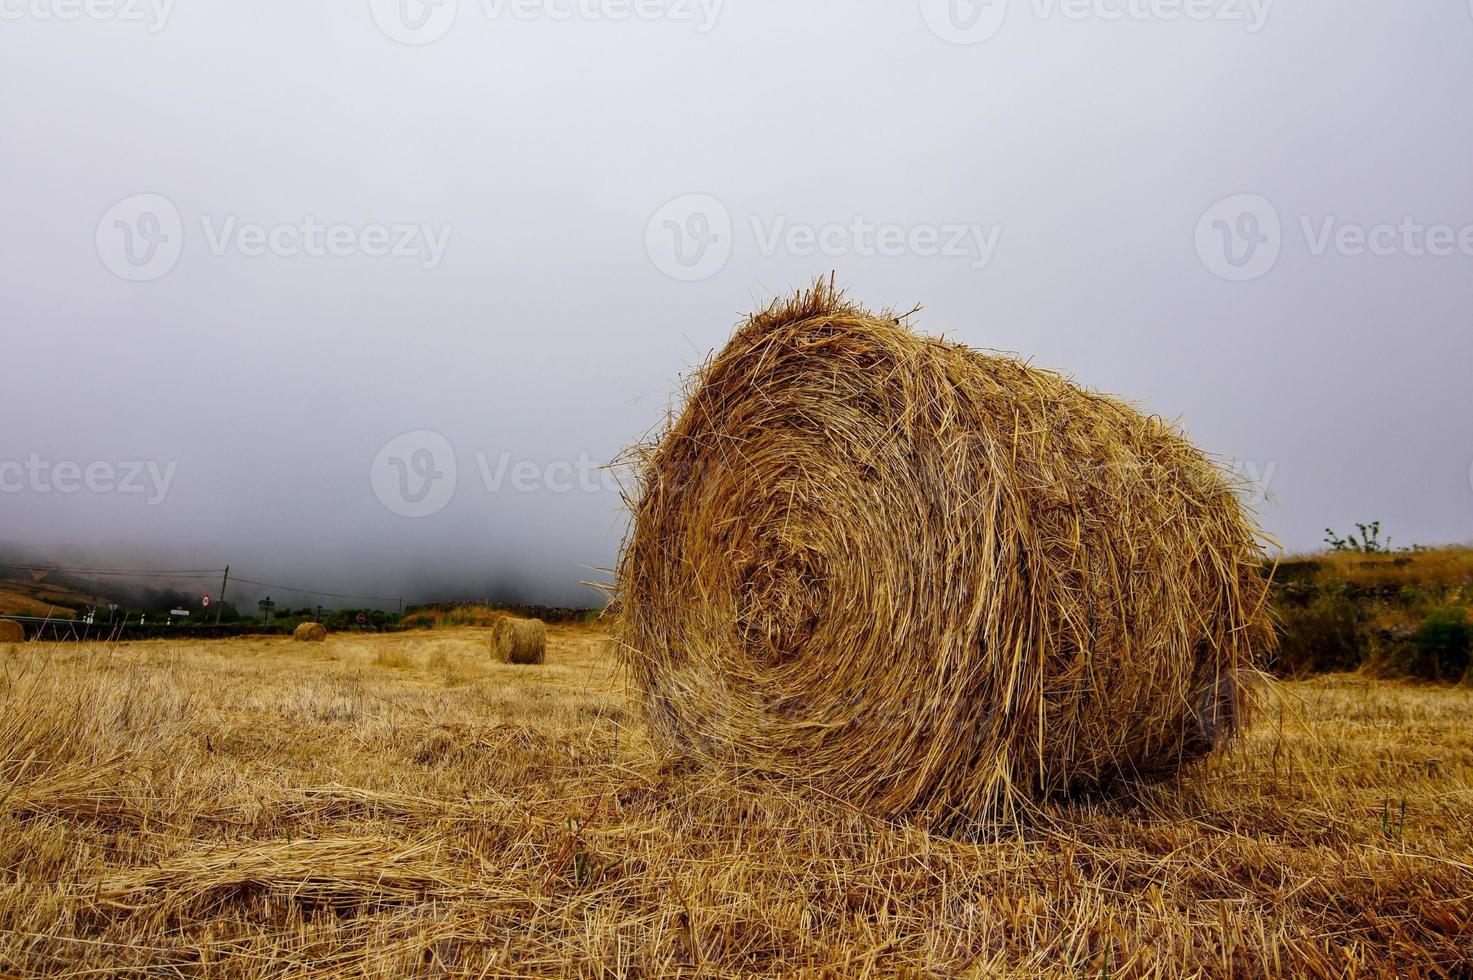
(930, 581)
(519, 641)
(11, 631)
(310, 633)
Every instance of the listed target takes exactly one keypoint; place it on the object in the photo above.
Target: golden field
(402, 805)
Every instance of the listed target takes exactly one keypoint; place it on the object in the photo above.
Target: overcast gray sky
(368, 287)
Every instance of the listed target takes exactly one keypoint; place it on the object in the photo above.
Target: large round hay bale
(519, 641)
(310, 633)
(11, 631)
(927, 580)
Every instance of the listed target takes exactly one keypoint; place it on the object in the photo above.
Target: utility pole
(221, 607)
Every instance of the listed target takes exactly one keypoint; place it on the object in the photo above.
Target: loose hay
(310, 633)
(927, 580)
(519, 641)
(363, 872)
(11, 631)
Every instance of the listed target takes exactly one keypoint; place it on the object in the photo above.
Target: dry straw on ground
(310, 633)
(930, 581)
(246, 808)
(11, 631)
(519, 641)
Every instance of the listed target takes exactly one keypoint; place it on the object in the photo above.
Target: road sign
(205, 601)
(362, 618)
(179, 612)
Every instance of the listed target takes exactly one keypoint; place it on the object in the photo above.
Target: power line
(325, 595)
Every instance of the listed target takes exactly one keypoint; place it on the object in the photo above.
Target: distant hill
(37, 584)
(31, 594)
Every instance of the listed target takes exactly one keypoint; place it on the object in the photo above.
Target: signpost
(266, 605)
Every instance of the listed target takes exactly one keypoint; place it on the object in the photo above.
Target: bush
(347, 620)
(1442, 645)
(1325, 634)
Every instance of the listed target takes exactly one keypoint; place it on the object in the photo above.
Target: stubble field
(402, 805)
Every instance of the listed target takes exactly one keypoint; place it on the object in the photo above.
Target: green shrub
(1442, 645)
(1325, 634)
